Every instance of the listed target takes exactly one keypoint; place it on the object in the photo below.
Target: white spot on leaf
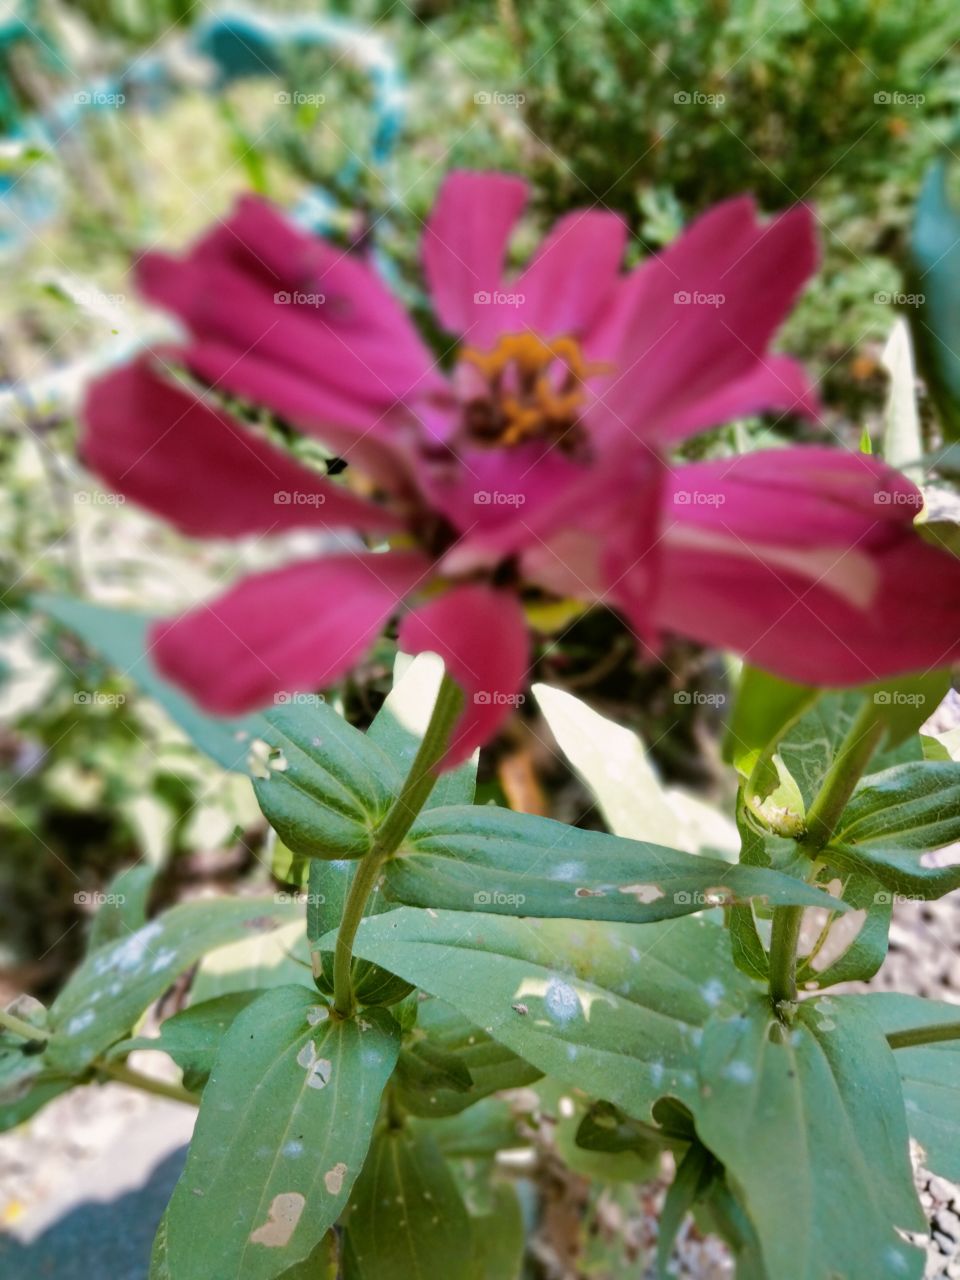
(318, 1070)
(284, 1214)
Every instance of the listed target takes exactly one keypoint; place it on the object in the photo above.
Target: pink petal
(572, 275)
(775, 384)
(290, 630)
(481, 635)
(464, 248)
(806, 561)
(257, 291)
(698, 318)
(179, 456)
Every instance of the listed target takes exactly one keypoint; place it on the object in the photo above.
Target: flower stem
(25, 1029)
(933, 1034)
(389, 835)
(824, 813)
(120, 1072)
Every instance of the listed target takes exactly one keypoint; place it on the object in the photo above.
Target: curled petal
(293, 629)
(806, 561)
(306, 327)
(481, 635)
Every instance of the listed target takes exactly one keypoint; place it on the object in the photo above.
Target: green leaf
(282, 1133)
(424, 1231)
(809, 1123)
(192, 1037)
(608, 1156)
(327, 787)
(125, 905)
(424, 1067)
(936, 276)
(479, 1133)
(115, 984)
(865, 952)
(929, 1074)
(764, 707)
(612, 1009)
(483, 858)
(26, 1084)
(401, 722)
(894, 817)
(694, 1175)
(606, 1128)
(614, 764)
(904, 704)
(121, 638)
(902, 440)
(809, 747)
(260, 961)
(498, 1238)
(492, 1066)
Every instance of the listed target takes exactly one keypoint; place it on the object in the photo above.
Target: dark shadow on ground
(97, 1240)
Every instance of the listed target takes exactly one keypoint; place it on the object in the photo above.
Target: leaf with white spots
(406, 1217)
(115, 984)
(283, 1130)
(484, 858)
(616, 1010)
(809, 1122)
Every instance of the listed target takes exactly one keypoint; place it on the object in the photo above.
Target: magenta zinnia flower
(539, 461)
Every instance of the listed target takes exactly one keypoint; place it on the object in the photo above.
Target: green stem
(120, 1072)
(837, 787)
(389, 835)
(934, 1034)
(824, 813)
(784, 937)
(25, 1029)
